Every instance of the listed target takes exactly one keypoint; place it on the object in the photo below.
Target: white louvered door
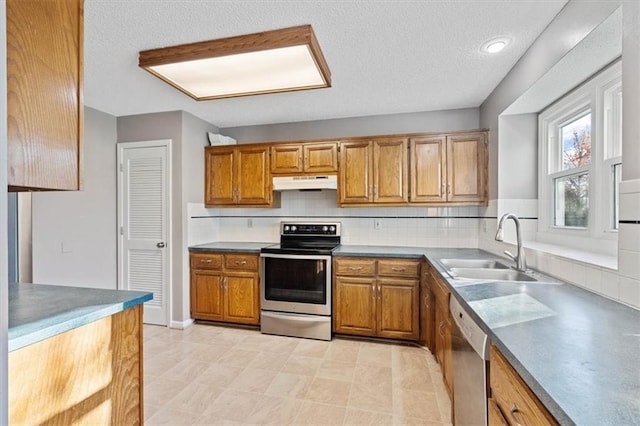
(143, 224)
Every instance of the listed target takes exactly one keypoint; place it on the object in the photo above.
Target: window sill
(570, 253)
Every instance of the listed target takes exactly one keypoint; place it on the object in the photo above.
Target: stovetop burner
(306, 238)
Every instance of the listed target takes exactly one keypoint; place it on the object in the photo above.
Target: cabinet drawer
(513, 396)
(206, 261)
(354, 266)
(244, 262)
(399, 268)
(440, 292)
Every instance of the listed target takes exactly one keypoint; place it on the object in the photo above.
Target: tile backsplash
(470, 227)
(406, 226)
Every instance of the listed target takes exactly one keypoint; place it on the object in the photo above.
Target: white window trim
(599, 236)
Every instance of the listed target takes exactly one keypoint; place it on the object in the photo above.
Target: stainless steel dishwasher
(470, 355)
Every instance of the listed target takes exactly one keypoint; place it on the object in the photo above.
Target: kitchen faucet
(521, 263)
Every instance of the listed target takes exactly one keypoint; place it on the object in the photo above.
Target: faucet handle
(514, 258)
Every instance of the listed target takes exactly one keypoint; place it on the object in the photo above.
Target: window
(580, 162)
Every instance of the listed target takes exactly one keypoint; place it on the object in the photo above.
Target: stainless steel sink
(481, 274)
(491, 274)
(473, 263)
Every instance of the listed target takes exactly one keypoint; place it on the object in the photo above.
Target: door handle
(160, 245)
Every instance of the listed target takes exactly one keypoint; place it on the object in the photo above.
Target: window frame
(590, 96)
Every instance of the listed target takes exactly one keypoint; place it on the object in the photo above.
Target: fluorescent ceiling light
(495, 46)
(273, 61)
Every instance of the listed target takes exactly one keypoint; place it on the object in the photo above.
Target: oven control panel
(299, 228)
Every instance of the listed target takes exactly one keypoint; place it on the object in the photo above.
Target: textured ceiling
(385, 56)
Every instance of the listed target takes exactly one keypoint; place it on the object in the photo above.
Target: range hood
(316, 182)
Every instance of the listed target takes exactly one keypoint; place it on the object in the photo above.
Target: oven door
(296, 283)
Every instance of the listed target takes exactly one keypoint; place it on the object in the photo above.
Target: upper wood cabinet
(304, 158)
(44, 94)
(237, 176)
(449, 168)
(373, 171)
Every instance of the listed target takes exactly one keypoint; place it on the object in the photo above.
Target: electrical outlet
(249, 223)
(377, 224)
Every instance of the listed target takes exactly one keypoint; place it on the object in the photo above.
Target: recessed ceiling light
(495, 46)
(269, 62)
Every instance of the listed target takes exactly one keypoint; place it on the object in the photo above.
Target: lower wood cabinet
(225, 287)
(442, 324)
(377, 297)
(511, 401)
(427, 310)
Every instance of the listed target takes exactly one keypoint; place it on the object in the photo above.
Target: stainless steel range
(296, 280)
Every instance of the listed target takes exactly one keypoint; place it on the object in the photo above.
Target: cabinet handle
(440, 329)
(444, 189)
(375, 190)
(449, 188)
(244, 262)
(355, 268)
(398, 269)
(370, 190)
(515, 414)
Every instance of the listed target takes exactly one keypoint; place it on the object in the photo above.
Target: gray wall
(194, 137)
(74, 233)
(12, 236)
(428, 121)
(571, 25)
(188, 137)
(518, 156)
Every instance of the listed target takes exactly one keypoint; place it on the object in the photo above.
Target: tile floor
(210, 374)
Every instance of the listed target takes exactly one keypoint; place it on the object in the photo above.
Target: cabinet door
(286, 159)
(218, 171)
(321, 157)
(427, 316)
(466, 168)
(390, 171)
(252, 177)
(354, 306)
(241, 298)
(206, 295)
(495, 415)
(447, 361)
(439, 335)
(356, 186)
(398, 308)
(428, 170)
(44, 94)
(512, 395)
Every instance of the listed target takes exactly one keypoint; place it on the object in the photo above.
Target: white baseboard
(181, 325)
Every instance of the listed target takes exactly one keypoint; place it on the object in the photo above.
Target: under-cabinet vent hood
(288, 183)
